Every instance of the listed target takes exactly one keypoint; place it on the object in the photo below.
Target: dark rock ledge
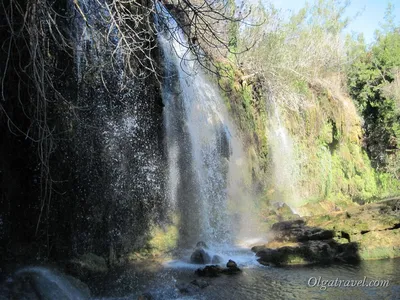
(364, 232)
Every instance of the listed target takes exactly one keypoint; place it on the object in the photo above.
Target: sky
(372, 14)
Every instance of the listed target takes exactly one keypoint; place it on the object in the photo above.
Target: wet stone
(216, 260)
(231, 264)
(209, 271)
(200, 283)
(200, 256)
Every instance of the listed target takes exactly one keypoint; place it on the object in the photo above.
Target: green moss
(388, 185)
(327, 137)
(301, 86)
(340, 240)
(163, 240)
(326, 134)
(380, 245)
(294, 259)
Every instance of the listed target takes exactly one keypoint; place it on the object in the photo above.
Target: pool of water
(256, 281)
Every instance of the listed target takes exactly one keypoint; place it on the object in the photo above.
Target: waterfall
(201, 143)
(284, 168)
(118, 133)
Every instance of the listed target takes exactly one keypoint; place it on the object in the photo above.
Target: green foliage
(164, 240)
(372, 80)
(301, 87)
(306, 46)
(300, 64)
(334, 165)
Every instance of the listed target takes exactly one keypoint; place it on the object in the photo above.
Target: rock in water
(232, 268)
(231, 264)
(216, 260)
(209, 271)
(201, 244)
(200, 256)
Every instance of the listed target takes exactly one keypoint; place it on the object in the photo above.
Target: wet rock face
(200, 256)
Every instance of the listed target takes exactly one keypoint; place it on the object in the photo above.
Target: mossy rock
(380, 244)
(312, 209)
(364, 232)
(374, 227)
(294, 259)
(360, 219)
(285, 212)
(311, 252)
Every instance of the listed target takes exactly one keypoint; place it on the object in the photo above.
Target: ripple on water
(260, 282)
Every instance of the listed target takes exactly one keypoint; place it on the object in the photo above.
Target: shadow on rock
(294, 243)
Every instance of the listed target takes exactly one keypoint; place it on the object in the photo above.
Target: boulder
(232, 268)
(209, 271)
(275, 257)
(310, 252)
(231, 264)
(370, 231)
(375, 227)
(200, 256)
(216, 259)
(215, 270)
(297, 231)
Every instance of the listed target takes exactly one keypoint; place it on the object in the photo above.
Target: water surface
(256, 281)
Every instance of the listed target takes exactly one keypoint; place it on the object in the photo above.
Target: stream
(255, 281)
